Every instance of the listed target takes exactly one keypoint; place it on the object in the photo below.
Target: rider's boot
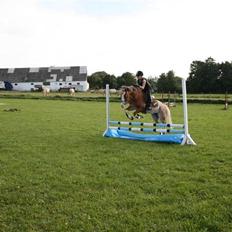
(148, 107)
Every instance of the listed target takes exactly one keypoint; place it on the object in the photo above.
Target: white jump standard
(169, 133)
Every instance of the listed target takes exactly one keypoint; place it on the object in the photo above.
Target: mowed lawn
(57, 172)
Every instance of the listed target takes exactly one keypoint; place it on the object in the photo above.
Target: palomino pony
(132, 99)
(72, 92)
(160, 112)
(46, 90)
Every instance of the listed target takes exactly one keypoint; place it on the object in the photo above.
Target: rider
(145, 86)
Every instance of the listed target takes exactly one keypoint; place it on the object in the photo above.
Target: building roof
(42, 74)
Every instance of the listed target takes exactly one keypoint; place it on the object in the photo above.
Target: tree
(194, 79)
(153, 83)
(111, 80)
(169, 82)
(127, 78)
(98, 80)
(204, 76)
(225, 76)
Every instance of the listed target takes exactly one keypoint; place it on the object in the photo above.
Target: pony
(132, 99)
(46, 90)
(160, 112)
(72, 92)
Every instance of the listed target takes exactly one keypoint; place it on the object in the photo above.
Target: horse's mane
(131, 87)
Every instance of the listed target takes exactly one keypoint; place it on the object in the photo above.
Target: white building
(55, 78)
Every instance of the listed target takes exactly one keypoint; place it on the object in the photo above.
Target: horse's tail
(164, 112)
(168, 116)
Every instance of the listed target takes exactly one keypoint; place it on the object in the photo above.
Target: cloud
(155, 36)
(97, 8)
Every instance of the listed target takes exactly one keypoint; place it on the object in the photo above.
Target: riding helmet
(139, 73)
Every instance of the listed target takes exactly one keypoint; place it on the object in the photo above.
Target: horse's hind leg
(155, 117)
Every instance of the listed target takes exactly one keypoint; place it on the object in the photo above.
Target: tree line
(210, 77)
(167, 82)
(204, 77)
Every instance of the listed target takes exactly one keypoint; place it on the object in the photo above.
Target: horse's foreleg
(137, 115)
(125, 106)
(129, 116)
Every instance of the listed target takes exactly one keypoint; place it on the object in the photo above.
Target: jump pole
(187, 138)
(107, 106)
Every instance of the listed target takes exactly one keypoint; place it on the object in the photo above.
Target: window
(16, 84)
(70, 83)
(31, 70)
(83, 70)
(10, 70)
(60, 83)
(32, 83)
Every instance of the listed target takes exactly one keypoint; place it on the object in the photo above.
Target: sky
(115, 36)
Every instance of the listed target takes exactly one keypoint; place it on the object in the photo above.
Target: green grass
(100, 93)
(52, 94)
(57, 172)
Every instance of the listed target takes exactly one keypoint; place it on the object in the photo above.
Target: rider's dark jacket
(146, 91)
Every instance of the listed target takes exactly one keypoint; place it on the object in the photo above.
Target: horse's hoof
(138, 116)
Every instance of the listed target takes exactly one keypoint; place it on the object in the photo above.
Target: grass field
(57, 172)
(100, 93)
